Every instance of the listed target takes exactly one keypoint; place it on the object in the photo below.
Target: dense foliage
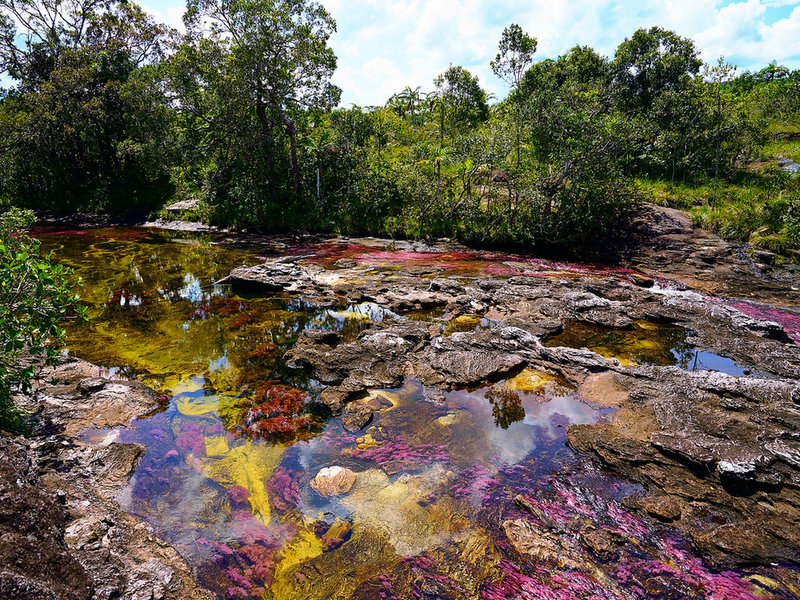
(34, 298)
(112, 111)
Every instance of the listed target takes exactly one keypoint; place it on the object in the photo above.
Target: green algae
(642, 343)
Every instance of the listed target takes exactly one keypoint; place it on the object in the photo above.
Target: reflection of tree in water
(506, 406)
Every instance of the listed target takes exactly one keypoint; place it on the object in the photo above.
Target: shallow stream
(429, 512)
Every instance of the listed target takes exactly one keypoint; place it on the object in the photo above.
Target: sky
(385, 45)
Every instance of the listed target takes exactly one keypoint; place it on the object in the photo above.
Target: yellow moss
(382, 398)
(303, 548)
(530, 380)
(448, 419)
(197, 407)
(250, 466)
(216, 446)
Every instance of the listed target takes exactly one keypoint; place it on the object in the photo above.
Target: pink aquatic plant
(473, 482)
(790, 321)
(238, 494)
(627, 523)
(284, 489)
(403, 454)
(544, 585)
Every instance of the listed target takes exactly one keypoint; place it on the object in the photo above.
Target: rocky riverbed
(358, 417)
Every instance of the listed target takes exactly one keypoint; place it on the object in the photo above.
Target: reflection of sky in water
(364, 311)
(543, 419)
(706, 361)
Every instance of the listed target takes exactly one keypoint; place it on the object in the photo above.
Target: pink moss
(284, 489)
(402, 454)
(238, 494)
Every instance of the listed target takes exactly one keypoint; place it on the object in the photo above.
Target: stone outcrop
(64, 536)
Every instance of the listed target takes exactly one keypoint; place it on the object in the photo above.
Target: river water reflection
(431, 512)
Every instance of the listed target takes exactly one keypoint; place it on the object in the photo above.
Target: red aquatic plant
(262, 358)
(275, 410)
(221, 307)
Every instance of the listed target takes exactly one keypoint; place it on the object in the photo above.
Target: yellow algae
(372, 438)
(197, 407)
(378, 399)
(188, 385)
(448, 419)
(530, 380)
(349, 314)
(250, 466)
(304, 547)
(462, 323)
(409, 511)
(645, 343)
(216, 446)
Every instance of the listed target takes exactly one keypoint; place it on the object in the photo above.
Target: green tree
(461, 100)
(652, 62)
(514, 56)
(86, 123)
(34, 298)
(275, 56)
(718, 76)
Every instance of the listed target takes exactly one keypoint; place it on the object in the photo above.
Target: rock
(345, 263)
(642, 280)
(76, 402)
(604, 543)
(317, 336)
(334, 399)
(356, 416)
(183, 205)
(664, 508)
(474, 357)
(337, 534)
(272, 276)
(705, 454)
(333, 481)
(530, 540)
(764, 257)
(36, 562)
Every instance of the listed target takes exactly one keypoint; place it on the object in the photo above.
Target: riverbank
(64, 536)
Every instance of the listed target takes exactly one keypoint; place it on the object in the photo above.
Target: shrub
(34, 298)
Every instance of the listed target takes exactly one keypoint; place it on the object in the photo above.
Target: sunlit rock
(333, 481)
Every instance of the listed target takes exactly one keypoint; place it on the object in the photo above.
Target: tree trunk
(291, 129)
(266, 140)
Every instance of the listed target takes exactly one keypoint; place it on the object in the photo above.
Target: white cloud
(384, 45)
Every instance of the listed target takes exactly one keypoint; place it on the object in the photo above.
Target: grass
(758, 204)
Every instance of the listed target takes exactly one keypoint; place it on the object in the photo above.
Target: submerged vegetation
(112, 111)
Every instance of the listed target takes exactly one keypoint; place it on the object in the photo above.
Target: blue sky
(385, 45)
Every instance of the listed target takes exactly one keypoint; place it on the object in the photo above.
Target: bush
(34, 298)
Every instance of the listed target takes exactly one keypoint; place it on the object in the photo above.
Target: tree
(86, 123)
(461, 100)
(276, 54)
(718, 76)
(515, 54)
(34, 298)
(652, 62)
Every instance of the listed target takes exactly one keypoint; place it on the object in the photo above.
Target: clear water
(436, 474)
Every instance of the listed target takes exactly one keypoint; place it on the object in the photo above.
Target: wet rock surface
(666, 244)
(721, 459)
(718, 453)
(63, 534)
